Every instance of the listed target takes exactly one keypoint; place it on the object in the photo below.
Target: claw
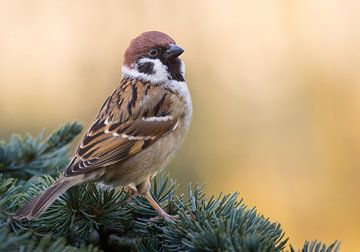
(166, 217)
(162, 214)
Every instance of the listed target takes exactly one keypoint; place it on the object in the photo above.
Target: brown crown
(140, 45)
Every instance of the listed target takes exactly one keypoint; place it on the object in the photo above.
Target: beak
(173, 51)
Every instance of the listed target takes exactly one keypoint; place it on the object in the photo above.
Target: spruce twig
(24, 157)
(90, 217)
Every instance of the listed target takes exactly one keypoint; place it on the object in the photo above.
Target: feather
(136, 116)
(40, 203)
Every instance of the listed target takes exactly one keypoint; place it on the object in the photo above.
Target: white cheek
(160, 72)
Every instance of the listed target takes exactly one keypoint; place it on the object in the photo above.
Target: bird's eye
(153, 52)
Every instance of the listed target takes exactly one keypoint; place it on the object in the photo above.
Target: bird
(138, 130)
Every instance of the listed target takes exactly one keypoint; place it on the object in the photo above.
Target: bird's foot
(164, 216)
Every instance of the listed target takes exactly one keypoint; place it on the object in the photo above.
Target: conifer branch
(24, 157)
(92, 217)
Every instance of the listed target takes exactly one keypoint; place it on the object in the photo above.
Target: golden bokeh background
(275, 87)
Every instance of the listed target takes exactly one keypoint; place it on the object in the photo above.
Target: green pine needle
(92, 217)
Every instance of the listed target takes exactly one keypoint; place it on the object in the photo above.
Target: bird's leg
(132, 190)
(144, 189)
(158, 208)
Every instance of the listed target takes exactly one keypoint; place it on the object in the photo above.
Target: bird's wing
(134, 117)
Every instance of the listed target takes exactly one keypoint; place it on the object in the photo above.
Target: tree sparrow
(138, 129)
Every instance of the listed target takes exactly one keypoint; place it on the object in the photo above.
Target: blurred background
(275, 87)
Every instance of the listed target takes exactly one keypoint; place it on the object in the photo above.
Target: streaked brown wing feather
(123, 128)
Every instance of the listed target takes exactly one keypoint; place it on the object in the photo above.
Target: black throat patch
(174, 69)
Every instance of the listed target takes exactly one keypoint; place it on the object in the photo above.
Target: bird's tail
(39, 204)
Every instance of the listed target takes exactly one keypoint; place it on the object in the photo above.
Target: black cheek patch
(146, 68)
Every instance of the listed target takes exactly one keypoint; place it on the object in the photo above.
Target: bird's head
(153, 56)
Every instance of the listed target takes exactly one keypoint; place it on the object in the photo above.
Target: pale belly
(146, 164)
